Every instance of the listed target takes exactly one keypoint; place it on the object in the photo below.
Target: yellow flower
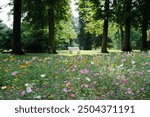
(6, 70)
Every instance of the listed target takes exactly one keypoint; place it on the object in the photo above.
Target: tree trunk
(126, 42)
(105, 28)
(16, 40)
(144, 46)
(51, 41)
(122, 35)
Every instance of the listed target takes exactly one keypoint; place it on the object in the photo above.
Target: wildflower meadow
(113, 76)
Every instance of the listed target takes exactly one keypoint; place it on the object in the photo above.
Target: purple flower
(65, 90)
(23, 93)
(29, 89)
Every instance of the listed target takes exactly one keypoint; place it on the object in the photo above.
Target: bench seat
(71, 49)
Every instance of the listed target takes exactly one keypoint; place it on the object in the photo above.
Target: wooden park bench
(71, 49)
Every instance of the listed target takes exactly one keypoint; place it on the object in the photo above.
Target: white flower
(4, 87)
(148, 70)
(43, 75)
(92, 62)
(121, 65)
(34, 58)
(37, 97)
(27, 84)
(88, 79)
(133, 62)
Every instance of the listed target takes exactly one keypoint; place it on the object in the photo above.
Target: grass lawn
(88, 75)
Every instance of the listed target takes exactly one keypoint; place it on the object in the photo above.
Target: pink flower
(84, 71)
(71, 95)
(70, 89)
(72, 69)
(68, 84)
(124, 81)
(14, 73)
(23, 93)
(97, 98)
(139, 74)
(60, 69)
(142, 89)
(37, 89)
(44, 86)
(129, 91)
(123, 76)
(85, 85)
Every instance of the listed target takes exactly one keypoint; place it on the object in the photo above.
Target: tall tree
(16, 40)
(144, 12)
(51, 40)
(126, 42)
(105, 27)
(46, 14)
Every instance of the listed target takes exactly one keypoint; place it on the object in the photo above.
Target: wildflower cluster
(98, 76)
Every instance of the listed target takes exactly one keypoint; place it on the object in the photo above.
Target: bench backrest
(73, 48)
